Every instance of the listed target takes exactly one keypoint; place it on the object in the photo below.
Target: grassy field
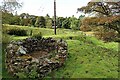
(87, 56)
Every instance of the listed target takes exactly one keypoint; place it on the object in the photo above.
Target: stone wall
(33, 58)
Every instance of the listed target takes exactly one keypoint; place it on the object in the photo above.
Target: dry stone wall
(33, 58)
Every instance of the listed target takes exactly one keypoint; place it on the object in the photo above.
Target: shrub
(106, 36)
(17, 32)
(85, 28)
(97, 28)
(37, 35)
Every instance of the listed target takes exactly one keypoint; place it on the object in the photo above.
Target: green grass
(88, 61)
(5, 74)
(88, 57)
(0, 60)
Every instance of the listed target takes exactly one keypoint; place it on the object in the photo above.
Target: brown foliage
(106, 36)
(111, 22)
(85, 28)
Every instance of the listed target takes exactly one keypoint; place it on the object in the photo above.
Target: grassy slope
(88, 57)
(88, 61)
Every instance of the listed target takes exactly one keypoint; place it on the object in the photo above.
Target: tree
(66, 23)
(80, 19)
(48, 21)
(40, 22)
(59, 22)
(7, 17)
(25, 16)
(37, 22)
(103, 8)
(86, 24)
(74, 23)
(25, 19)
(10, 6)
(32, 20)
(15, 20)
(110, 12)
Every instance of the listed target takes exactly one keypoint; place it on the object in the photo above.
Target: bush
(85, 28)
(17, 32)
(97, 28)
(106, 36)
(38, 35)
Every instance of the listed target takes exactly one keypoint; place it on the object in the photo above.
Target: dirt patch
(38, 54)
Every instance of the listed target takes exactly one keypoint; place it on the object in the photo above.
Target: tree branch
(100, 12)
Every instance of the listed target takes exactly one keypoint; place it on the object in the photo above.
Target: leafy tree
(40, 22)
(32, 21)
(66, 23)
(48, 21)
(59, 22)
(74, 23)
(80, 19)
(15, 20)
(37, 22)
(25, 19)
(104, 8)
(26, 22)
(85, 24)
(107, 13)
(6, 17)
(24, 16)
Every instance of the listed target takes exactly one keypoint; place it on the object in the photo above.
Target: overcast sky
(43, 7)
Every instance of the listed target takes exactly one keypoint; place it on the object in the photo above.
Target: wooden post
(55, 17)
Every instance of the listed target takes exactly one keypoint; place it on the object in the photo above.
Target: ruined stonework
(33, 58)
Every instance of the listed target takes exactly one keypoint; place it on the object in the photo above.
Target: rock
(10, 46)
(22, 50)
(34, 60)
(19, 58)
(20, 43)
(16, 64)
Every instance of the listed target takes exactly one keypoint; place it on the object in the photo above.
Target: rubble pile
(31, 55)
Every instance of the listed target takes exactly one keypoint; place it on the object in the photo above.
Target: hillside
(87, 60)
(88, 57)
